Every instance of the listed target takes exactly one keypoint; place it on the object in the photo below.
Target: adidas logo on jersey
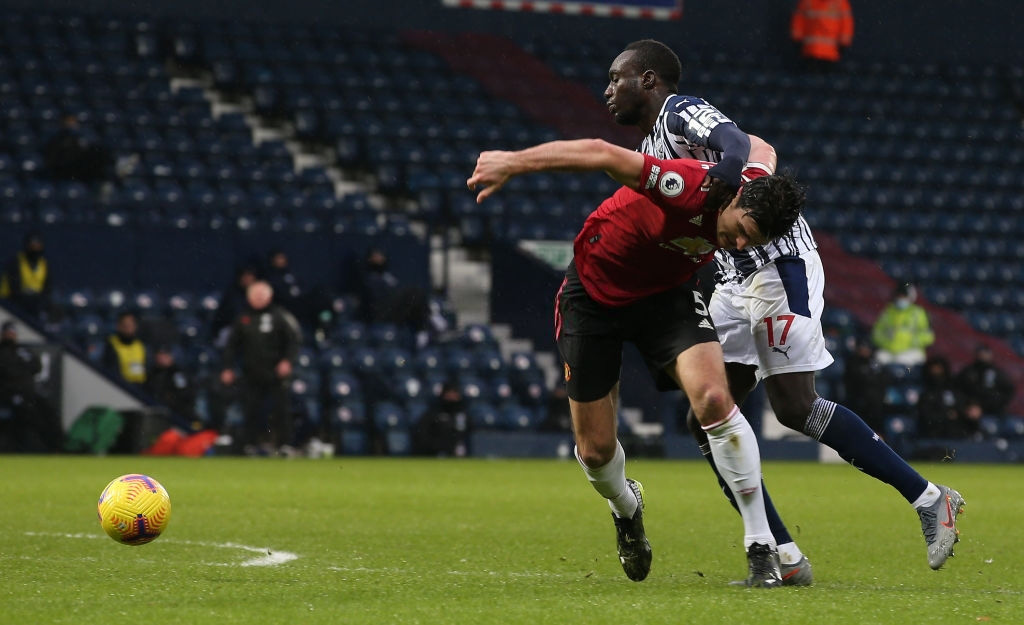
(698, 220)
(704, 323)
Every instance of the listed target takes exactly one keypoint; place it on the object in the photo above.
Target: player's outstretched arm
(493, 169)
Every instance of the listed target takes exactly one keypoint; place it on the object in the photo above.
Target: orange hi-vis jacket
(822, 26)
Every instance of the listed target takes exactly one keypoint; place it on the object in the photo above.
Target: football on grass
(134, 509)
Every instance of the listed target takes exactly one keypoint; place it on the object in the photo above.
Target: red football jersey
(637, 244)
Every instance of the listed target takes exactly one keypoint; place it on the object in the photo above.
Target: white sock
(734, 448)
(928, 497)
(789, 553)
(610, 482)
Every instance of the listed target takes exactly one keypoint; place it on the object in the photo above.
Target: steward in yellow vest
(26, 278)
(124, 353)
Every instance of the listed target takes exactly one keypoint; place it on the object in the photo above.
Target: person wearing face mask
(902, 333)
(123, 353)
(26, 278)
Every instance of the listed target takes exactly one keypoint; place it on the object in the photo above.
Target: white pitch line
(401, 571)
(268, 557)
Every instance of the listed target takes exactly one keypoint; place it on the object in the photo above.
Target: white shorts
(772, 319)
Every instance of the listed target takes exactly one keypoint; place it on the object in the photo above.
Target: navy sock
(775, 523)
(842, 430)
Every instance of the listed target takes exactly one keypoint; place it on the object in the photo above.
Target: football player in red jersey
(631, 280)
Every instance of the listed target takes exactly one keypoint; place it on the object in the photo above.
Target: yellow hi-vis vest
(32, 280)
(132, 357)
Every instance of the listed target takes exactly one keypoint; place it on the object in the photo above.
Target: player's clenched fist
(493, 169)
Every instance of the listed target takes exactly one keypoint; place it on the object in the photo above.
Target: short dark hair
(773, 202)
(654, 55)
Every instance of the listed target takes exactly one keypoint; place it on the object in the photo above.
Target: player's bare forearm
(493, 169)
(762, 152)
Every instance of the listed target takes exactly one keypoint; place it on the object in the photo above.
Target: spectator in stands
(264, 342)
(864, 384)
(124, 353)
(172, 386)
(384, 298)
(985, 384)
(822, 27)
(27, 278)
(444, 429)
(902, 333)
(232, 301)
(34, 426)
(72, 155)
(942, 411)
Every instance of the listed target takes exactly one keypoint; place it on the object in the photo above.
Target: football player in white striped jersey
(767, 304)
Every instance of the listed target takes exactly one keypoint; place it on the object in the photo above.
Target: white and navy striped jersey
(681, 131)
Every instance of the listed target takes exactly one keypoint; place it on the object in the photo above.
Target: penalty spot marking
(266, 558)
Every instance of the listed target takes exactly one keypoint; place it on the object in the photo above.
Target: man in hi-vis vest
(26, 278)
(124, 353)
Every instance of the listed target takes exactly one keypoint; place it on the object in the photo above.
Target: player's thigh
(591, 365)
(730, 312)
(700, 371)
(785, 301)
(666, 325)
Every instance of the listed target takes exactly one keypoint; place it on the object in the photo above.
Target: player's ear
(649, 79)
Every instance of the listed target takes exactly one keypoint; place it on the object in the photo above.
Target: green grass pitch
(364, 541)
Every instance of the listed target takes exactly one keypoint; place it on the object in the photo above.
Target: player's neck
(650, 116)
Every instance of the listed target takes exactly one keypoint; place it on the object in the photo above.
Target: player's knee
(792, 417)
(712, 403)
(594, 454)
(793, 412)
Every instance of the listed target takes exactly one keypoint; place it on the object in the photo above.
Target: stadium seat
(519, 417)
(1012, 427)
(334, 358)
(391, 421)
(344, 386)
(484, 416)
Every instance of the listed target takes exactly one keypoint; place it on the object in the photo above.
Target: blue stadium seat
(334, 357)
(489, 362)
(458, 360)
(1012, 427)
(350, 333)
(409, 387)
(349, 425)
(394, 360)
(519, 417)
(473, 388)
(391, 420)
(430, 358)
(484, 416)
(344, 386)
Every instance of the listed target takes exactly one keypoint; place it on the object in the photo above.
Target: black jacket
(18, 367)
(261, 339)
